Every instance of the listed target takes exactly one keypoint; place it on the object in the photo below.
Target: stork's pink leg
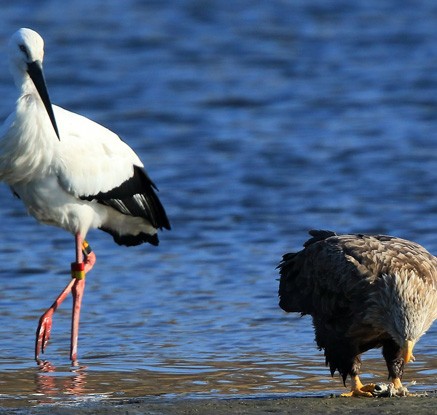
(85, 260)
(89, 257)
(79, 270)
(45, 322)
(77, 291)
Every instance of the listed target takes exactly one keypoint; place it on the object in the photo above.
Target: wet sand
(302, 406)
(178, 406)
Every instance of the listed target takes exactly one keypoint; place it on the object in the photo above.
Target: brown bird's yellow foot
(358, 389)
(366, 391)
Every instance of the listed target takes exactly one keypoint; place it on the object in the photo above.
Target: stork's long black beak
(35, 72)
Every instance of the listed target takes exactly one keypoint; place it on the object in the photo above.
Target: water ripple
(257, 122)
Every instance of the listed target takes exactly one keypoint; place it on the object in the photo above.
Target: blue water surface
(258, 121)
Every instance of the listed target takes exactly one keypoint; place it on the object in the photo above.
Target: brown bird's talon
(368, 388)
(357, 393)
(360, 390)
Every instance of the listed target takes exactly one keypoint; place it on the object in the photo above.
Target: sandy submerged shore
(178, 406)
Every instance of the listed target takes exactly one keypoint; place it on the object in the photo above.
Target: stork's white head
(26, 53)
(25, 46)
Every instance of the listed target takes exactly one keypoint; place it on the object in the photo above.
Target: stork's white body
(72, 173)
(59, 178)
(50, 175)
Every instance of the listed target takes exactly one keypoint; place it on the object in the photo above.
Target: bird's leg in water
(45, 322)
(77, 290)
(85, 260)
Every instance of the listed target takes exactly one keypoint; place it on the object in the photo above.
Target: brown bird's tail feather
(294, 295)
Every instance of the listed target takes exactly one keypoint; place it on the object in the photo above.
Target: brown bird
(363, 292)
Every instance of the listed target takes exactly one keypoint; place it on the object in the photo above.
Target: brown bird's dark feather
(362, 292)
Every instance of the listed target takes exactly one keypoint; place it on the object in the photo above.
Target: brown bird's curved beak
(35, 72)
(407, 351)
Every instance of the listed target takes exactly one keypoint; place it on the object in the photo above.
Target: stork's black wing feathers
(136, 197)
(132, 240)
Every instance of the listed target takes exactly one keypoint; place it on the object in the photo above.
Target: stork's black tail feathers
(135, 197)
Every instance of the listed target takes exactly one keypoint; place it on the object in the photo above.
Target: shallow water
(258, 122)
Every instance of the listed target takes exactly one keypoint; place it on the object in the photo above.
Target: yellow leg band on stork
(86, 249)
(78, 270)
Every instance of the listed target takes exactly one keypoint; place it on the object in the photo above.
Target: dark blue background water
(258, 121)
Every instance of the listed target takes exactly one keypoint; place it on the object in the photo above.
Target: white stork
(72, 173)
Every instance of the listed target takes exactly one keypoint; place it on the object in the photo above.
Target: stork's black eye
(24, 49)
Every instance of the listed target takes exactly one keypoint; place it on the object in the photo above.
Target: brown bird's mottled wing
(335, 269)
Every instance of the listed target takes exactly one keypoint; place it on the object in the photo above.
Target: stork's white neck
(29, 146)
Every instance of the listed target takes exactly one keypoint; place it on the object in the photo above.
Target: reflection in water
(51, 384)
(250, 375)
